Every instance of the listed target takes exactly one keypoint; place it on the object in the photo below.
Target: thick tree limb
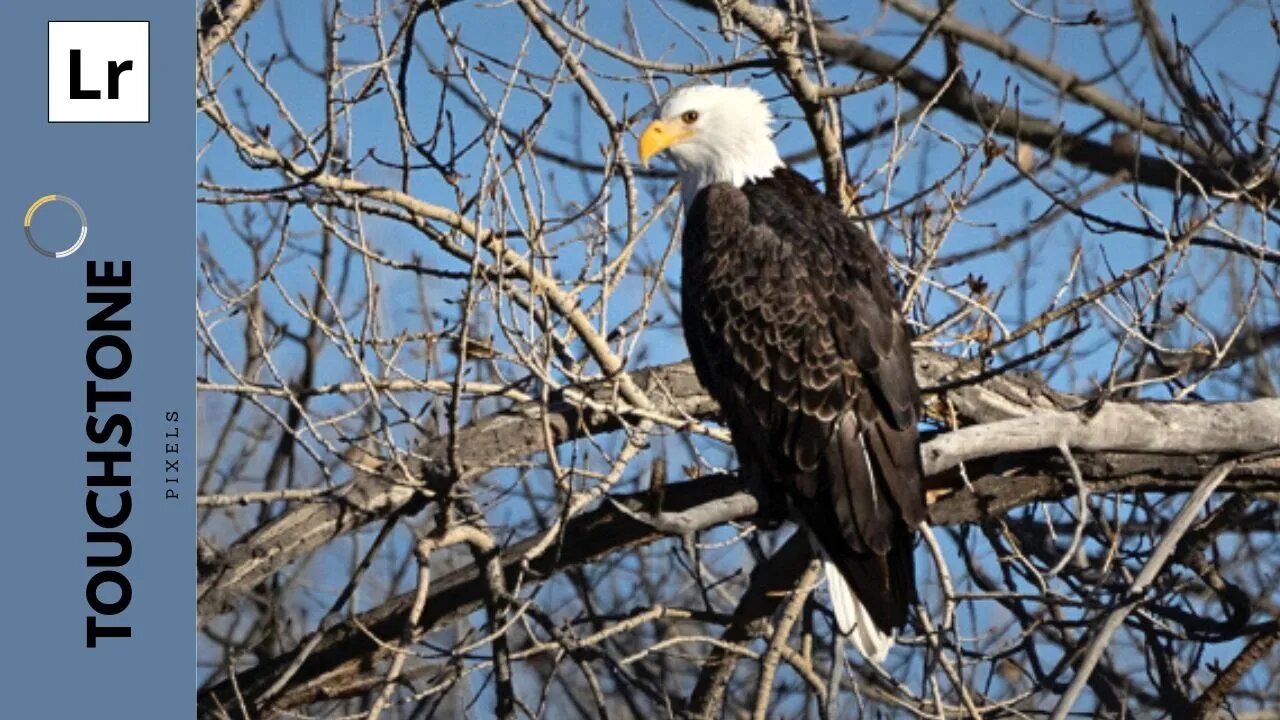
(1150, 427)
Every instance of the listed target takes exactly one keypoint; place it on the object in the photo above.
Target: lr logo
(113, 79)
(99, 71)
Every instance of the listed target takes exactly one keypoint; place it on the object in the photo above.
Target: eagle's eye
(690, 117)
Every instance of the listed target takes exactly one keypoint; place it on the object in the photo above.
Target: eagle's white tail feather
(853, 619)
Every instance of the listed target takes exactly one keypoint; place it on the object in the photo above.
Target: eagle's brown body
(793, 327)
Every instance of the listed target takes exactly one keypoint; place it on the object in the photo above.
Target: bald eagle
(794, 329)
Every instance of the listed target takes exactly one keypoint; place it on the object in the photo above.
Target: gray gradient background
(135, 184)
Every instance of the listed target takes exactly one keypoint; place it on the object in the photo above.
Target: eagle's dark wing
(793, 327)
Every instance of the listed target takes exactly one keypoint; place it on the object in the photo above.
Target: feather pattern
(793, 327)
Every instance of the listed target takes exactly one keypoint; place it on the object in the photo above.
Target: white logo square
(99, 71)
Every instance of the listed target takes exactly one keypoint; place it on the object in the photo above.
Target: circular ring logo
(31, 211)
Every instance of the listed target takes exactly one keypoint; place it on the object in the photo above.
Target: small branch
(219, 20)
(1206, 706)
(782, 633)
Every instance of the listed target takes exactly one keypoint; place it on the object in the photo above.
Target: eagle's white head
(715, 134)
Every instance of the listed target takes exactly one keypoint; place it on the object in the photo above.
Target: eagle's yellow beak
(659, 136)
